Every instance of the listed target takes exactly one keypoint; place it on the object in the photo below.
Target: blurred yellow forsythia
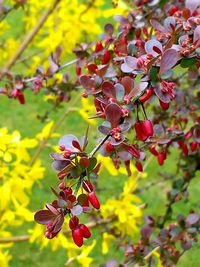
(71, 22)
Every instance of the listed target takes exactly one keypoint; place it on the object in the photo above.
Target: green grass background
(24, 118)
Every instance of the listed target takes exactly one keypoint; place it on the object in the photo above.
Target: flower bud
(87, 185)
(94, 200)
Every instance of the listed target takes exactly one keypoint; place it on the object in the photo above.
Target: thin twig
(31, 35)
(151, 252)
(99, 146)
(59, 68)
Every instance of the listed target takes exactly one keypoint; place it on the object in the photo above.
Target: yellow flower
(107, 239)
(46, 132)
(87, 111)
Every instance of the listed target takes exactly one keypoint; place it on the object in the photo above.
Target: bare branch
(31, 35)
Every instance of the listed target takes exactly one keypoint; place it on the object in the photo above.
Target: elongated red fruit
(98, 47)
(87, 185)
(153, 150)
(144, 129)
(146, 96)
(148, 128)
(94, 200)
(161, 158)
(164, 105)
(139, 166)
(193, 146)
(73, 222)
(77, 236)
(85, 230)
(139, 131)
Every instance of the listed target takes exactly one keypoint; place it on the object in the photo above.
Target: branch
(99, 146)
(31, 35)
(59, 68)
(151, 252)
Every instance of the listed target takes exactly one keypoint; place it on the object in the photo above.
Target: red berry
(173, 10)
(188, 135)
(153, 150)
(77, 236)
(61, 185)
(109, 148)
(161, 158)
(61, 176)
(78, 70)
(193, 146)
(62, 148)
(139, 166)
(146, 96)
(73, 222)
(67, 191)
(85, 95)
(98, 47)
(106, 57)
(87, 185)
(94, 200)
(144, 129)
(139, 131)
(85, 231)
(185, 149)
(164, 105)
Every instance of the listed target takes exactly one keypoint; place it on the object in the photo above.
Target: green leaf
(187, 62)
(154, 73)
(132, 49)
(93, 162)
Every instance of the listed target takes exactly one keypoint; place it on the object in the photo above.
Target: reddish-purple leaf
(44, 216)
(192, 218)
(125, 126)
(52, 209)
(85, 81)
(128, 84)
(131, 62)
(67, 140)
(168, 60)
(151, 45)
(170, 23)
(104, 130)
(59, 223)
(109, 29)
(113, 114)
(164, 97)
(157, 26)
(108, 89)
(126, 68)
(192, 5)
(76, 145)
(196, 38)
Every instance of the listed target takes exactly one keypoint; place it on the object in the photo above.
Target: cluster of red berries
(79, 231)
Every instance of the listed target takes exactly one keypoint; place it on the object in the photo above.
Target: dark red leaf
(168, 60)
(44, 216)
(113, 114)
